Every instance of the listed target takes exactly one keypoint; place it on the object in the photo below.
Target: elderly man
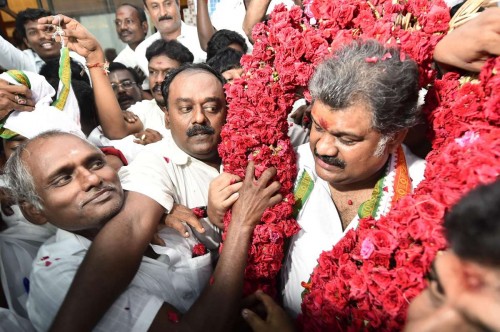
(166, 18)
(354, 165)
(131, 26)
(80, 194)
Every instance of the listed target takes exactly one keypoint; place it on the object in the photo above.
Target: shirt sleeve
(13, 58)
(148, 175)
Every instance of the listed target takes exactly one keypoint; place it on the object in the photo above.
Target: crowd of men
(99, 228)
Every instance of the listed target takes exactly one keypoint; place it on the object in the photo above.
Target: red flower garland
(286, 50)
(367, 280)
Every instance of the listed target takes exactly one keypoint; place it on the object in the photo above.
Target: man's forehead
(120, 75)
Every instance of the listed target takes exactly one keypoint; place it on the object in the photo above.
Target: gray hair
(371, 74)
(19, 178)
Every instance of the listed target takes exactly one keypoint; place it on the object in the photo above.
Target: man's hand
(222, 194)
(76, 36)
(181, 215)
(130, 117)
(147, 136)
(254, 197)
(471, 44)
(14, 97)
(276, 318)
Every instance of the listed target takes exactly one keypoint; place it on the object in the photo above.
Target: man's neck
(214, 163)
(133, 46)
(171, 35)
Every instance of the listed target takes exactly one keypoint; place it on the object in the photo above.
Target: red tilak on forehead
(323, 123)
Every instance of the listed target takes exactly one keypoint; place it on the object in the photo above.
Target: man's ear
(397, 140)
(32, 214)
(145, 27)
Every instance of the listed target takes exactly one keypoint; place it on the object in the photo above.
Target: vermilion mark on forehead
(323, 123)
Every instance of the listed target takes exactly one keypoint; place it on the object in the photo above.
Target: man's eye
(346, 141)
(211, 109)
(98, 164)
(129, 21)
(185, 109)
(62, 180)
(318, 128)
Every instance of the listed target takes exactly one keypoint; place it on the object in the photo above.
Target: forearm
(110, 265)
(256, 12)
(109, 112)
(13, 58)
(203, 24)
(226, 287)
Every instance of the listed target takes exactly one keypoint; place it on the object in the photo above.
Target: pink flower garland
(367, 280)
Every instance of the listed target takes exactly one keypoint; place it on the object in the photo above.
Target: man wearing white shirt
(355, 165)
(166, 18)
(41, 45)
(131, 26)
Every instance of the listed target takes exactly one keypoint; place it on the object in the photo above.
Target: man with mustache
(76, 190)
(131, 26)
(148, 121)
(364, 102)
(166, 18)
(125, 83)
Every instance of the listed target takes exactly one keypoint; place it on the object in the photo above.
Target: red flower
(199, 250)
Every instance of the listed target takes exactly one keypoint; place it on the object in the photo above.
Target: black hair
(171, 49)
(139, 10)
(81, 87)
(50, 70)
(472, 227)
(222, 39)
(225, 59)
(194, 67)
(114, 66)
(29, 14)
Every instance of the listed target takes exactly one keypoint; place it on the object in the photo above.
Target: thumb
(255, 322)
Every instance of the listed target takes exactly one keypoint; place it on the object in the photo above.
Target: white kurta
(165, 173)
(321, 228)
(176, 278)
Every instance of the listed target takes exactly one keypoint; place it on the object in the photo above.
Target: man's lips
(98, 196)
(47, 45)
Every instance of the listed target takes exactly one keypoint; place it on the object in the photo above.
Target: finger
(255, 322)
(230, 190)
(141, 142)
(177, 225)
(194, 222)
(230, 201)
(250, 172)
(19, 89)
(267, 175)
(275, 200)
(266, 300)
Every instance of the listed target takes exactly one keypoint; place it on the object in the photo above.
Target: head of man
(465, 280)
(225, 38)
(131, 24)
(361, 112)
(125, 84)
(40, 41)
(163, 56)
(72, 188)
(227, 62)
(166, 17)
(196, 110)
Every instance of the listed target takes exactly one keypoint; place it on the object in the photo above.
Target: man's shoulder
(141, 48)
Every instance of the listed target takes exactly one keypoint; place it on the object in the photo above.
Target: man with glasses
(125, 84)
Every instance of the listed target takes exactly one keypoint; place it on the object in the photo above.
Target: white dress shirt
(127, 57)
(167, 174)
(321, 228)
(176, 278)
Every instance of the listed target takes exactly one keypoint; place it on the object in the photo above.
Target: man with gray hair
(364, 102)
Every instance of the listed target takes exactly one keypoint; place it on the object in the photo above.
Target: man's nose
(88, 179)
